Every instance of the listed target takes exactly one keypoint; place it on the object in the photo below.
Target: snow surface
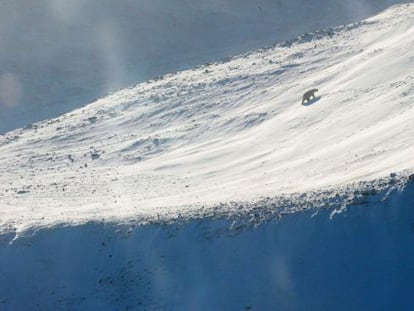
(58, 55)
(226, 136)
(209, 159)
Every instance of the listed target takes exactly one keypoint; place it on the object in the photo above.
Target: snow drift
(227, 132)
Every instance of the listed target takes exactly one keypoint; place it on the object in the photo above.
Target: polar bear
(308, 95)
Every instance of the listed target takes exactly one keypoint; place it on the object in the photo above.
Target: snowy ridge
(81, 50)
(193, 142)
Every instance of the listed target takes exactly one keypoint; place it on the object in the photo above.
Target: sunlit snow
(232, 131)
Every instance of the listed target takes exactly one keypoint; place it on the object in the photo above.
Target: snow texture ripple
(227, 136)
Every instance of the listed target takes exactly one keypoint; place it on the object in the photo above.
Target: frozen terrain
(227, 132)
(57, 55)
(214, 188)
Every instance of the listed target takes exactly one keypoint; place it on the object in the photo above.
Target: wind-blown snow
(225, 132)
(58, 55)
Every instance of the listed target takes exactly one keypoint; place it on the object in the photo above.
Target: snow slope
(58, 55)
(226, 136)
(171, 149)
